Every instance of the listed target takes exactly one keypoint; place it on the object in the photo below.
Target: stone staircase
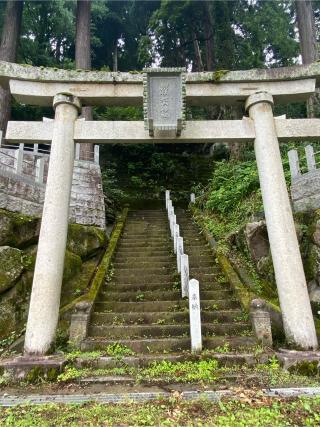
(140, 305)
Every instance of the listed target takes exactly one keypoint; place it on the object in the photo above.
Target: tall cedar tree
(83, 59)
(8, 52)
(308, 42)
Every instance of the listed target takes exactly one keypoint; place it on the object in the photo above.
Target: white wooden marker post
(192, 198)
(175, 237)
(167, 198)
(170, 207)
(179, 252)
(173, 222)
(194, 315)
(184, 275)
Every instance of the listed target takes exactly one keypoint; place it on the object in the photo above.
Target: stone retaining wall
(20, 192)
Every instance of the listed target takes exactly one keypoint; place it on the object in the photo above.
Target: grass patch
(252, 410)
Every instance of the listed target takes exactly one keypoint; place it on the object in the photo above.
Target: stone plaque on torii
(67, 90)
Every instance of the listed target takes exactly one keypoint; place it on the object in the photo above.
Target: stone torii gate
(165, 96)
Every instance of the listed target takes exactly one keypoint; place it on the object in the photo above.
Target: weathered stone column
(291, 283)
(46, 288)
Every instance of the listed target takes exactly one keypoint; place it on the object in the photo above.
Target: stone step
(168, 256)
(162, 244)
(164, 317)
(123, 287)
(161, 295)
(146, 237)
(144, 246)
(163, 280)
(179, 305)
(155, 262)
(145, 360)
(146, 331)
(132, 258)
(142, 271)
(149, 345)
(168, 261)
(143, 253)
(145, 278)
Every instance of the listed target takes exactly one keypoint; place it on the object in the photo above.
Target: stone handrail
(189, 288)
(10, 70)
(294, 161)
(83, 305)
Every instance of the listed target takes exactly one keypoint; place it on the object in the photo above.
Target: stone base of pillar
(300, 362)
(79, 323)
(32, 369)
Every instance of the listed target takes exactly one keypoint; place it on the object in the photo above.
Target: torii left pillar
(46, 288)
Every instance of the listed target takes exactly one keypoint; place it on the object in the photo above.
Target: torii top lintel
(38, 85)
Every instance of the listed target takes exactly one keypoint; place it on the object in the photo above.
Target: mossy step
(165, 317)
(196, 252)
(145, 245)
(145, 278)
(156, 295)
(132, 258)
(136, 287)
(161, 331)
(164, 237)
(178, 305)
(147, 239)
(147, 345)
(206, 280)
(145, 263)
(145, 360)
(176, 344)
(143, 252)
(145, 270)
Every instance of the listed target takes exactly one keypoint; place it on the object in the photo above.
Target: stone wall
(305, 187)
(20, 192)
(305, 192)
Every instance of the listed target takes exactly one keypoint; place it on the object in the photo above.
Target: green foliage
(245, 411)
(118, 350)
(232, 183)
(232, 197)
(72, 356)
(113, 195)
(70, 374)
(203, 370)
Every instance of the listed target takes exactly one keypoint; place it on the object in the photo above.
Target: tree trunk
(115, 56)
(307, 31)
(83, 60)
(8, 52)
(308, 44)
(197, 53)
(208, 34)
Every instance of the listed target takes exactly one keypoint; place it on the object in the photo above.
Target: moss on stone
(11, 267)
(85, 241)
(217, 75)
(307, 368)
(14, 306)
(72, 266)
(103, 267)
(18, 230)
(79, 284)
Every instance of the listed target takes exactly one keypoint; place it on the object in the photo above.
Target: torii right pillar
(291, 283)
